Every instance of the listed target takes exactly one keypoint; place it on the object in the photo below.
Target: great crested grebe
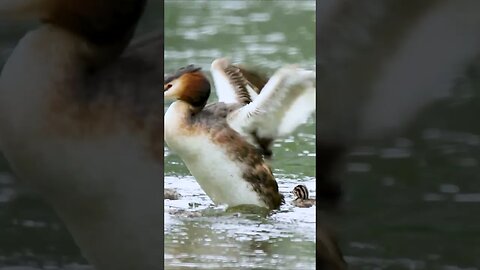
(301, 197)
(219, 142)
(83, 125)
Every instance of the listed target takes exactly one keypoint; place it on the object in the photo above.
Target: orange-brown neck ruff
(195, 87)
(196, 90)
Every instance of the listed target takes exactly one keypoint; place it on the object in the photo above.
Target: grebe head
(300, 192)
(188, 84)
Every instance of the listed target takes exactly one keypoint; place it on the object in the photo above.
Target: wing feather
(230, 85)
(285, 102)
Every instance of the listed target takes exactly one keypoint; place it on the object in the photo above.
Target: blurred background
(411, 172)
(265, 35)
(399, 85)
(31, 235)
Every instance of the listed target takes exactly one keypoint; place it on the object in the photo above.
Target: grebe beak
(170, 91)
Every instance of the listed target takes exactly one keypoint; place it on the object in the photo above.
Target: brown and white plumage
(224, 144)
(228, 168)
(80, 121)
(272, 108)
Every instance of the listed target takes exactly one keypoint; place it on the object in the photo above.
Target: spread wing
(285, 102)
(235, 84)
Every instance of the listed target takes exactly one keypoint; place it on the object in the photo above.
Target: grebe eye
(168, 86)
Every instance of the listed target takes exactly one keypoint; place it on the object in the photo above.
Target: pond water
(267, 35)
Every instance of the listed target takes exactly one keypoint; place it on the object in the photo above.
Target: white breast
(218, 175)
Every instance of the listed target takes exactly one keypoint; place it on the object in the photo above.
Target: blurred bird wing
(285, 102)
(231, 84)
(256, 80)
